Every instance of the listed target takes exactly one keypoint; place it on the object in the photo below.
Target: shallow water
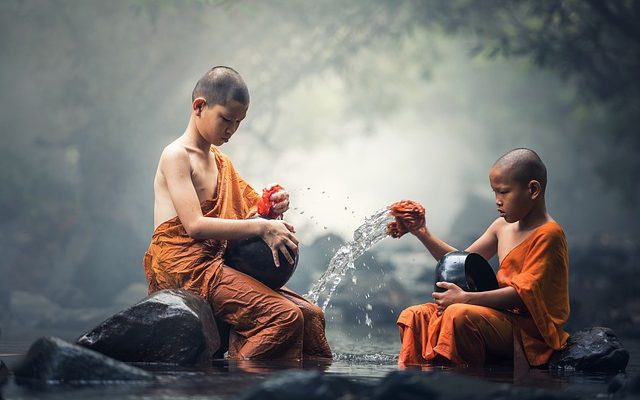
(354, 357)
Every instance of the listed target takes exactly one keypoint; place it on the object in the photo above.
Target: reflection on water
(354, 356)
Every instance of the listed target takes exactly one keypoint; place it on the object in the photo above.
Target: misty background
(354, 105)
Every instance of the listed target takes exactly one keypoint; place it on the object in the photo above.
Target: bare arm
(487, 244)
(176, 168)
(501, 299)
(436, 246)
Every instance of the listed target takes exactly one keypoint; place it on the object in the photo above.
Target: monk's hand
(279, 236)
(452, 295)
(280, 200)
(409, 217)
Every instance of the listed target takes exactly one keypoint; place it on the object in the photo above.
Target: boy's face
(217, 123)
(513, 199)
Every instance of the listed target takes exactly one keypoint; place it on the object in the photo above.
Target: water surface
(355, 357)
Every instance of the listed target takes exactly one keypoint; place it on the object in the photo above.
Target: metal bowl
(253, 257)
(470, 271)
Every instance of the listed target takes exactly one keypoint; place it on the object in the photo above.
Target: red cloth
(265, 203)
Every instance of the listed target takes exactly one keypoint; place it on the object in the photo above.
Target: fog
(353, 106)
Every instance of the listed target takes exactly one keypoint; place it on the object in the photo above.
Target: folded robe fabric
(175, 260)
(538, 269)
(266, 323)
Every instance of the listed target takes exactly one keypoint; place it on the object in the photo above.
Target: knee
(407, 314)
(314, 311)
(463, 316)
(420, 312)
(291, 319)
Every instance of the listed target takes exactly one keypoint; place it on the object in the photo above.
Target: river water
(355, 357)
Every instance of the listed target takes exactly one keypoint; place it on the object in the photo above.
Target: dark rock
(4, 373)
(308, 385)
(409, 385)
(403, 385)
(616, 383)
(170, 326)
(54, 361)
(623, 386)
(596, 349)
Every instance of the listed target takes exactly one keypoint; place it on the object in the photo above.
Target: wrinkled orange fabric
(265, 323)
(466, 334)
(408, 215)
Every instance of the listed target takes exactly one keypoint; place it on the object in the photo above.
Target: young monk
(522, 319)
(201, 202)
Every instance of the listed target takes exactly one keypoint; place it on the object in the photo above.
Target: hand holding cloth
(409, 216)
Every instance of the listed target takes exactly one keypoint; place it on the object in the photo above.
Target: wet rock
(308, 385)
(409, 385)
(170, 326)
(616, 383)
(623, 386)
(594, 349)
(4, 373)
(53, 361)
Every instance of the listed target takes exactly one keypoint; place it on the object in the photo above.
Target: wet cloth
(537, 269)
(409, 215)
(265, 323)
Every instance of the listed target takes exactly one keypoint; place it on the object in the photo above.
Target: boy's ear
(198, 104)
(534, 189)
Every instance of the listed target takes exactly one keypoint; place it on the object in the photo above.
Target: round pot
(253, 257)
(469, 271)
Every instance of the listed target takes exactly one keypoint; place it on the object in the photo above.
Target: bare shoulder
(174, 151)
(174, 157)
(498, 226)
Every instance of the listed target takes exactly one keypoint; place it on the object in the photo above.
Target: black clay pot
(253, 257)
(468, 270)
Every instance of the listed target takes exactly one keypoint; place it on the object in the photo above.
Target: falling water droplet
(364, 237)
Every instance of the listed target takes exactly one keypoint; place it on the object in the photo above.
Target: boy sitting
(523, 318)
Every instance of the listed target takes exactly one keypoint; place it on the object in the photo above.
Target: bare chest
(509, 240)
(204, 175)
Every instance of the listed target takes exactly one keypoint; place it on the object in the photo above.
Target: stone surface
(625, 386)
(4, 373)
(170, 326)
(52, 361)
(402, 385)
(593, 349)
(307, 385)
(409, 385)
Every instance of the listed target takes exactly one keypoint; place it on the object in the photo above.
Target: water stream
(373, 230)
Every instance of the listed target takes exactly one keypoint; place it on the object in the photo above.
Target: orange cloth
(465, 334)
(266, 323)
(408, 215)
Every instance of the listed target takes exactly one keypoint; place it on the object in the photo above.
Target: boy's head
(518, 179)
(220, 85)
(219, 103)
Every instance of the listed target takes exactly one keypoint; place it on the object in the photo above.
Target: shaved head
(221, 84)
(524, 166)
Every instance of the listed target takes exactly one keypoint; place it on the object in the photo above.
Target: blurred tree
(85, 83)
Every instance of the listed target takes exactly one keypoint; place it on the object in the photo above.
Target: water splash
(373, 230)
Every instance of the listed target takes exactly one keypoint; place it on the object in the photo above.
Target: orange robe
(265, 323)
(538, 270)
